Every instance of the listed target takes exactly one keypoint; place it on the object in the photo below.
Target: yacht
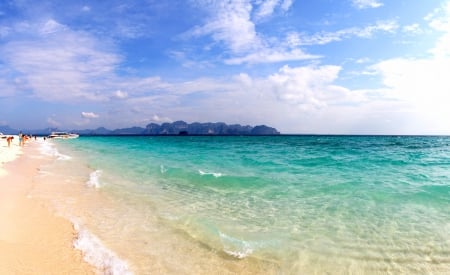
(63, 135)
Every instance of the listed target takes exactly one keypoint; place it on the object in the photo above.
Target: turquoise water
(280, 204)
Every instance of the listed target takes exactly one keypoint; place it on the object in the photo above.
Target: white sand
(8, 154)
(33, 240)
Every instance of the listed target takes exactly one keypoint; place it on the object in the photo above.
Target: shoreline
(33, 240)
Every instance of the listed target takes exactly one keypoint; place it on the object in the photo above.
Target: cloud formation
(364, 4)
(227, 19)
(389, 26)
(56, 63)
(231, 24)
(298, 67)
(267, 8)
(89, 115)
(120, 94)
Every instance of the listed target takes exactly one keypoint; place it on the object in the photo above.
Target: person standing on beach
(20, 138)
(8, 139)
(24, 138)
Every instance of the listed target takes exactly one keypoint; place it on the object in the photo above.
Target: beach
(33, 240)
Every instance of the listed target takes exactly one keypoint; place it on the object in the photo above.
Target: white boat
(63, 135)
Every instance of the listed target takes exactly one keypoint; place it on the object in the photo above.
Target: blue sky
(323, 66)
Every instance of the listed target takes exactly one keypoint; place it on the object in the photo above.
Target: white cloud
(136, 86)
(8, 85)
(362, 60)
(439, 20)
(89, 115)
(230, 24)
(271, 56)
(416, 90)
(51, 26)
(55, 63)
(288, 98)
(364, 4)
(323, 38)
(4, 31)
(413, 29)
(187, 60)
(160, 119)
(308, 88)
(286, 5)
(266, 8)
(423, 86)
(121, 95)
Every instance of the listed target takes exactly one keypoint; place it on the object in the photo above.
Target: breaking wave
(94, 179)
(216, 175)
(96, 254)
(48, 149)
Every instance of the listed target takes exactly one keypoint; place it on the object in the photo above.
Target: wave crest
(96, 254)
(49, 149)
(235, 247)
(94, 179)
(216, 175)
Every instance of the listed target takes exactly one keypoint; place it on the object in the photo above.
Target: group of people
(22, 139)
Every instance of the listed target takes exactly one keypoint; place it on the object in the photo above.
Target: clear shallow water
(282, 204)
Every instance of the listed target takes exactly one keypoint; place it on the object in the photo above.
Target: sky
(301, 66)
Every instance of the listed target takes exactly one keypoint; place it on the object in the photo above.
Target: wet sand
(33, 240)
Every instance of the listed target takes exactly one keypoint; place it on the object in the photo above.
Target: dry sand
(8, 154)
(33, 240)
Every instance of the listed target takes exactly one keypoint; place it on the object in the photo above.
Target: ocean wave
(236, 247)
(94, 179)
(96, 254)
(49, 149)
(216, 175)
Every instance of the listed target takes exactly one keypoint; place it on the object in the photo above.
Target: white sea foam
(235, 247)
(239, 254)
(163, 169)
(96, 254)
(94, 179)
(49, 149)
(216, 175)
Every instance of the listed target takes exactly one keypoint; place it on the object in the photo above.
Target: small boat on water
(63, 135)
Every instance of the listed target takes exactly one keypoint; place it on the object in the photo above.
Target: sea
(253, 204)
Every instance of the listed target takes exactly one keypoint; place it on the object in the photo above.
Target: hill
(174, 128)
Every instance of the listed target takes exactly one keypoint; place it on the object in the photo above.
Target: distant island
(153, 129)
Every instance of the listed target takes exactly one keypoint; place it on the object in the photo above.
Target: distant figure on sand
(9, 139)
(24, 138)
(20, 138)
